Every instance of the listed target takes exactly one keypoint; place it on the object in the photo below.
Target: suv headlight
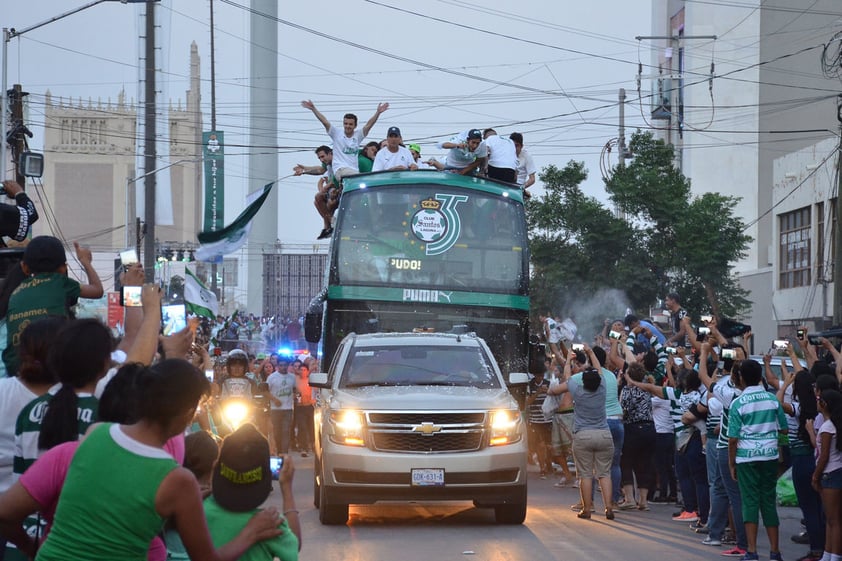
(348, 427)
(505, 427)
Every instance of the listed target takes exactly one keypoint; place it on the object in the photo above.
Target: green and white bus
(427, 251)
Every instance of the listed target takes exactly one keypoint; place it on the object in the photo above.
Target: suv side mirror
(318, 380)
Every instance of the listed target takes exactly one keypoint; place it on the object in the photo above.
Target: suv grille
(425, 432)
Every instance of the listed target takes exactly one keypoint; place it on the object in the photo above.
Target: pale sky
(550, 69)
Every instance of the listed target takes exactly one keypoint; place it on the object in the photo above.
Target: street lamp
(8, 35)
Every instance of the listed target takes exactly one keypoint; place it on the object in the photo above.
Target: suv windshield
(418, 366)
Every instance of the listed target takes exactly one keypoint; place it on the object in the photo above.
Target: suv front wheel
(331, 514)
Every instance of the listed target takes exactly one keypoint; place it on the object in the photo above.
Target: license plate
(428, 477)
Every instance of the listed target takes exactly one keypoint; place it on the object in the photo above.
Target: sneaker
(626, 505)
(686, 517)
(811, 556)
(563, 482)
(711, 541)
(775, 556)
(323, 234)
(734, 552)
(801, 538)
(750, 556)
(658, 499)
(729, 538)
(703, 529)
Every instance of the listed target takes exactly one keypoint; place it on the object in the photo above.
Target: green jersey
(224, 526)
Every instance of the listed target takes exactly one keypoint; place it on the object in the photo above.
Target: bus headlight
(505, 427)
(347, 427)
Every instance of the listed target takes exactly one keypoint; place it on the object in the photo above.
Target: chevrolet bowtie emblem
(427, 429)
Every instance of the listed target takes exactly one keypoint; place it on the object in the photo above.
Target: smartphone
(780, 344)
(671, 350)
(707, 319)
(275, 464)
(704, 331)
(130, 296)
(209, 375)
(614, 334)
(800, 333)
(578, 346)
(813, 339)
(729, 353)
(173, 318)
(128, 257)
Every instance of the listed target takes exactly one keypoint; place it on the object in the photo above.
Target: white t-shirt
(14, 396)
(834, 459)
(282, 386)
(501, 152)
(386, 159)
(462, 157)
(661, 415)
(345, 149)
(525, 166)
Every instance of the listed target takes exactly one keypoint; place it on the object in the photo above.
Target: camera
(614, 334)
(130, 296)
(729, 353)
(578, 347)
(703, 331)
(707, 319)
(780, 344)
(671, 350)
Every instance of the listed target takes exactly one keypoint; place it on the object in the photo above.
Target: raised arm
(307, 170)
(707, 381)
(307, 104)
(788, 378)
(93, 289)
(381, 107)
(657, 391)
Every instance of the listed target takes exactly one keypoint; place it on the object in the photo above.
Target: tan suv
(418, 417)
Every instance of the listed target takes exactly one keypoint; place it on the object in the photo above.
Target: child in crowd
(242, 480)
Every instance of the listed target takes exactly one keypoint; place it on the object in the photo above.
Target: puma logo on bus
(421, 295)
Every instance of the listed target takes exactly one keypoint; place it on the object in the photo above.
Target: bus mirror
(313, 327)
(537, 357)
(516, 378)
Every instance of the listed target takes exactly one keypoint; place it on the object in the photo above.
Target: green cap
(415, 147)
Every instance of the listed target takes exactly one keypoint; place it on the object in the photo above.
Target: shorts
(562, 432)
(341, 173)
(832, 479)
(508, 175)
(593, 452)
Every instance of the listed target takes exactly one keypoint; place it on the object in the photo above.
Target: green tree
(578, 246)
(693, 240)
(668, 240)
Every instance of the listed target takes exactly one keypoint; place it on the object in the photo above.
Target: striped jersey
(28, 426)
(755, 420)
(726, 392)
(679, 403)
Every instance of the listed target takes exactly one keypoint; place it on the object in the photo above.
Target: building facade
(733, 106)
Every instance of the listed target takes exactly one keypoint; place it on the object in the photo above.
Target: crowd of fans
(684, 415)
(94, 455)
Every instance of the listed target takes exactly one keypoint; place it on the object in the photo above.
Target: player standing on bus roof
(346, 143)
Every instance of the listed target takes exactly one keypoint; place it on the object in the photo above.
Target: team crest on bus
(437, 223)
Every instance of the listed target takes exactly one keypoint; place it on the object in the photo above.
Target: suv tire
(511, 513)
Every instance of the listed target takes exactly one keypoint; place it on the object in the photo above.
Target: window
(825, 235)
(794, 247)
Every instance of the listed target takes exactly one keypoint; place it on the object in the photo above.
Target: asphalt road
(457, 531)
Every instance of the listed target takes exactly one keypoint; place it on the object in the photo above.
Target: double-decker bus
(427, 251)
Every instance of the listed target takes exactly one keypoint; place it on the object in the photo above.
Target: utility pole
(213, 122)
(17, 134)
(149, 150)
(622, 151)
(837, 260)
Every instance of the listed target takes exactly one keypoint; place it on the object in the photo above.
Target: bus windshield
(430, 236)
